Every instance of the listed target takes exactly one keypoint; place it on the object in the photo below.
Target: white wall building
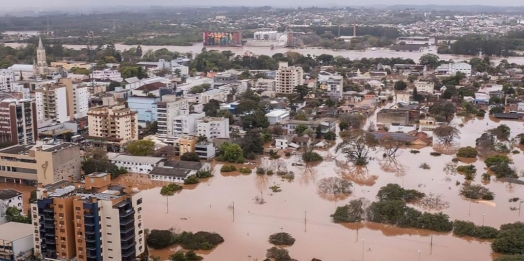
(215, 94)
(16, 241)
(51, 103)
(186, 124)
(453, 68)
(276, 116)
(7, 80)
(135, 164)
(213, 127)
(167, 109)
(107, 75)
(265, 84)
(178, 171)
(81, 96)
(9, 198)
(288, 77)
(334, 85)
(423, 86)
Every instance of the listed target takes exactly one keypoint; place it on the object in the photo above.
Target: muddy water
(299, 210)
(197, 48)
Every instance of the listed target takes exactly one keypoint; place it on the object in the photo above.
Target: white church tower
(41, 63)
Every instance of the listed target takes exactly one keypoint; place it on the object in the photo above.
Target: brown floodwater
(304, 213)
(229, 205)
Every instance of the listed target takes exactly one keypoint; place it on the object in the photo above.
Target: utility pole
(363, 248)
(233, 211)
(305, 221)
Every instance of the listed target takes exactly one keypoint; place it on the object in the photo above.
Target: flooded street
(351, 54)
(300, 211)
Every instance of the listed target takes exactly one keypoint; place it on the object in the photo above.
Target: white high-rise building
(213, 127)
(186, 124)
(167, 109)
(287, 77)
(334, 85)
(7, 80)
(62, 101)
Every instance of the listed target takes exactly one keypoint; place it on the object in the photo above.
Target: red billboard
(222, 38)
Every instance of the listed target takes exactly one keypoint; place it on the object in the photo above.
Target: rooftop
(16, 149)
(97, 175)
(9, 193)
(134, 159)
(276, 113)
(175, 172)
(191, 165)
(12, 231)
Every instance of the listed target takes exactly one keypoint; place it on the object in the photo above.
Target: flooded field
(226, 204)
(302, 212)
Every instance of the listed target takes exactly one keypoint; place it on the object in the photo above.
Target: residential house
(390, 116)
(325, 125)
(403, 97)
(10, 198)
(425, 86)
(148, 90)
(303, 141)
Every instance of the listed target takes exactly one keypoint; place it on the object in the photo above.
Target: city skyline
(63, 4)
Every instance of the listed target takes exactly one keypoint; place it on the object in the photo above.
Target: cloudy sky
(101, 3)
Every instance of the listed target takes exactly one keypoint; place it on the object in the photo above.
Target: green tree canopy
(140, 148)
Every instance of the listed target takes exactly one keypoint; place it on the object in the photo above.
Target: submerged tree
(357, 146)
(354, 211)
(446, 134)
(333, 188)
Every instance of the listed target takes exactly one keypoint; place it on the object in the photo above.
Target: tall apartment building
(46, 163)
(213, 127)
(113, 125)
(288, 77)
(18, 124)
(167, 110)
(334, 86)
(62, 101)
(186, 123)
(98, 221)
(7, 79)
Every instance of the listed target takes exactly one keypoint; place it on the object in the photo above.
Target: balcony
(126, 213)
(127, 245)
(127, 236)
(128, 253)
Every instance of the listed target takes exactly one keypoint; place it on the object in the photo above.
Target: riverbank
(313, 51)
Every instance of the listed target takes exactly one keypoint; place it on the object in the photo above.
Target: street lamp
(419, 254)
(483, 216)
(520, 203)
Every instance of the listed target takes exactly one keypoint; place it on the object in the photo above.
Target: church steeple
(41, 63)
(40, 45)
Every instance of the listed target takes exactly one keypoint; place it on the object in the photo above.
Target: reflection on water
(357, 174)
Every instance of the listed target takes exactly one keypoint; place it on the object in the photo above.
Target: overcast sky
(304, 3)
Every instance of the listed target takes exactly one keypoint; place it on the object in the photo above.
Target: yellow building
(98, 221)
(69, 65)
(112, 126)
(187, 144)
(46, 163)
